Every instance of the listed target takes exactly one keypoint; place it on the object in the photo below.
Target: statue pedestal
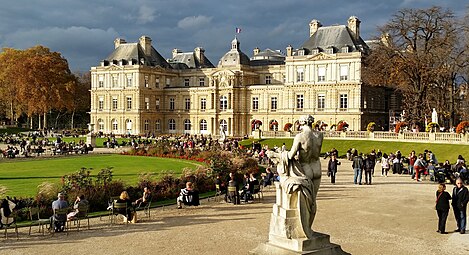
(286, 234)
(91, 139)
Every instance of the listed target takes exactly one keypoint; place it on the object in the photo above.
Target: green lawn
(442, 151)
(21, 177)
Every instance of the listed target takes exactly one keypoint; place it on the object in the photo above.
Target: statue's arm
(294, 148)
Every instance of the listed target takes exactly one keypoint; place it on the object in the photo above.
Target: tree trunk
(12, 114)
(31, 122)
(57, 120)
(72, 122)
(39, 125)
(45, 120)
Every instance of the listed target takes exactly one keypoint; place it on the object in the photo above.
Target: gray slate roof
(133, 51)
(268, 57)
(334, 36)
(187, 60)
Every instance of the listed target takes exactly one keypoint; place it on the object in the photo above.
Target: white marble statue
(222, 134)
(300, 175)
(434, 116)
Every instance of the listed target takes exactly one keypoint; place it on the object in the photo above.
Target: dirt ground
(395, 215)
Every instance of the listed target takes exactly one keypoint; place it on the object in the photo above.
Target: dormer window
(315, 51)
(330, 50)
(301, 52)
(345, 49)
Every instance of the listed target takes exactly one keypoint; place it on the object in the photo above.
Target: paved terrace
(393, 216)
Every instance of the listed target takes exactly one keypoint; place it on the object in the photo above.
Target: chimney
(255, 51)
(289, 51)
(199, 53)
(354, 26)
(145, 43)
(118, 42)
(314, 25)
(176, 51)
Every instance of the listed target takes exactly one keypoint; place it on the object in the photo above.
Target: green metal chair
(35, 219)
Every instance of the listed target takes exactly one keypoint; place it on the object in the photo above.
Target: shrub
(342, 126)
(462, 127)
(287, 127)
(431, 126)
(370, 127)
(400, 125)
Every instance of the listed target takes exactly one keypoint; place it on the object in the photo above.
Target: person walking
(332, 168)
(384, 165)
(442, 207)
(368, 166)
(459, 203)
(357, 166)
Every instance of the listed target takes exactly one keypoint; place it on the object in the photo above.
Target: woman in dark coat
(332, 167)
(442, 207)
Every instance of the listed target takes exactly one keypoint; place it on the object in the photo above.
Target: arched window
(223, 103)
(187, 126)
(224, 125)
(172, 125)
(128, 126)
(115, 125)
(273, 125)
(146, 125)
(100, 124)
(203, 125)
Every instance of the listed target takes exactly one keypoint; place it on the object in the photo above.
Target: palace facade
(137, 91)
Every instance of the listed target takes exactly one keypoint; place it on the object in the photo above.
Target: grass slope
(21, 177)
(442, 151)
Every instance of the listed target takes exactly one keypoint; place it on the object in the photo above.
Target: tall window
(129, 81)
(172, 124)
(115, 125)
(187, 125)
(187, 104)
(223, 103)
(273, 103)
(203, 125)
(114, 81)
(146, 125)
(343, 72)
(100, 125)
(114, 103)
(224, 125)
(101, 103)
(147, 103)
(255, 103)
(300, 75)
(299, 102)
(168, 82)
(157, 104)
(343, 104)
(129, 103)
(158, 125)
(171, 104)
(268, 79)
(186, 82)
(201, 82)
(101, 82)
(322, 73)
(128, 126)
(203, 104)
(146, 81)
(157, 82)
(321, 102)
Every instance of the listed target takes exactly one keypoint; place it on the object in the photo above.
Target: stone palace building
(137, 91)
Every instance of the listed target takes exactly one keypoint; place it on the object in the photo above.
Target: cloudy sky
(84, 31)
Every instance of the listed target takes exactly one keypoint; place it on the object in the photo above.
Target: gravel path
(393, 216)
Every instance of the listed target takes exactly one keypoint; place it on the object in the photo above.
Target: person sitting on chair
(268, 177)
(129, 214)
(59, 220)
(79, 202)
(146, 197)
(188, 196)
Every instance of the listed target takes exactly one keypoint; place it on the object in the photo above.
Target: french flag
(238, 30)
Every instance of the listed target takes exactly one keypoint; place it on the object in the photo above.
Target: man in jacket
(357, 166)
(459, 203)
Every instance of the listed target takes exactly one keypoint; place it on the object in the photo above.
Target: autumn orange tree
(419, 53)
(36, 81)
